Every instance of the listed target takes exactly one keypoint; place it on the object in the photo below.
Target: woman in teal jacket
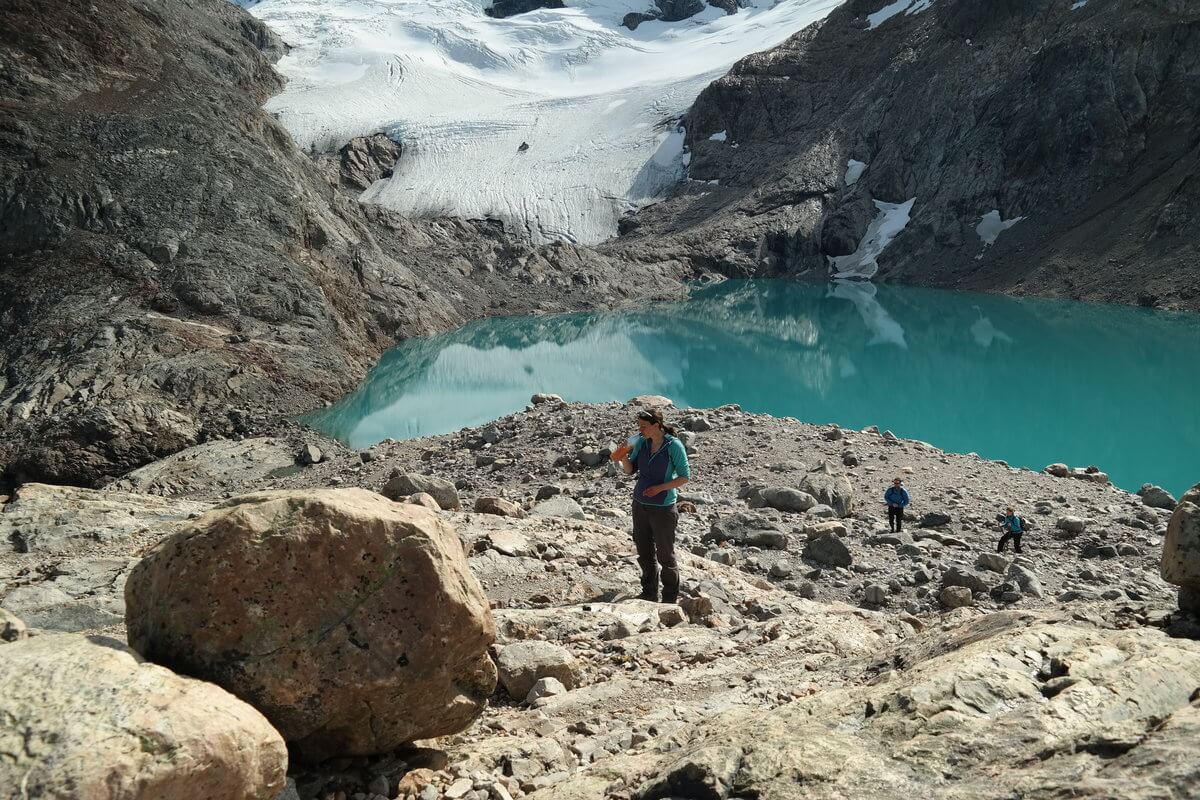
(661, 462)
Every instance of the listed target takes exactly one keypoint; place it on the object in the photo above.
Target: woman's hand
(620, 453)
(655, 490)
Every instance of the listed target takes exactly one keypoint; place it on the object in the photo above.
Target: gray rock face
(676, 11)
(95, 721)
(43, 518)
(976, 692)
(365, 159)
(200, 468)
(916, 100)
(405, 484)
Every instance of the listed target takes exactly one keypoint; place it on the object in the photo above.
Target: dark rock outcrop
(510, 8)
(676, 11)
(173, 269)
(1082, 122)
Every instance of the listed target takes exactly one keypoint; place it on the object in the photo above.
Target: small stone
(12, 629)
(310, 454)
(1057, 470)
(545, 687)
(541, 399)
(726, 556)
(875, 594)
(423, 499)
(499, 507)
(459, 788)
(671, 616)
(1157, 497)
(781, 569)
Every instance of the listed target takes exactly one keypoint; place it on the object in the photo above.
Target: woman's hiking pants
(654, 537)
(1015, 536)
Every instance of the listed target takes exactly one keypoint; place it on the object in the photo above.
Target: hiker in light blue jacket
(896, 498)
(661, 462)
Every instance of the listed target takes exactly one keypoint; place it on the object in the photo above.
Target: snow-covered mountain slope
(555, 121)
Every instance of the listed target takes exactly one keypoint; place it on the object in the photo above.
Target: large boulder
(352, 622)
(1157, 497)
(960, 575)
(403, 485)
(1180, 563)
(86, 719)
(833, 490)
(747, 530)
(787, 499)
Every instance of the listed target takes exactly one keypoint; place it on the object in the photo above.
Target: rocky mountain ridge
(1046, 148)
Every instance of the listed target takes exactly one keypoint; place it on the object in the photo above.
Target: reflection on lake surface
(1028, 381)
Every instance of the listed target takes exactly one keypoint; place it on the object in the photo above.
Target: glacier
(557, 122)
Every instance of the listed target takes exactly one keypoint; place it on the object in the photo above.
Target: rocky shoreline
(799, 609)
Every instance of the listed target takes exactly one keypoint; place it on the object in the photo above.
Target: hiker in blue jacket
(1013, 526)
(660, 460)
(896, 498)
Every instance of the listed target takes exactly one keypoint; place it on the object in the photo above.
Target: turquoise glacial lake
(1029, 381)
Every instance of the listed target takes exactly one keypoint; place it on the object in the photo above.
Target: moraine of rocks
(771, 649)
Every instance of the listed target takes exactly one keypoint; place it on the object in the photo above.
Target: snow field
(597, 104)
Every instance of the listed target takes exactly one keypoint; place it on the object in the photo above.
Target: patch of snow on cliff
(892, 9)
(596, 103)
(1078, 4)
(991, 226)
(854, 171)
(719, 136)
(861, 264)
